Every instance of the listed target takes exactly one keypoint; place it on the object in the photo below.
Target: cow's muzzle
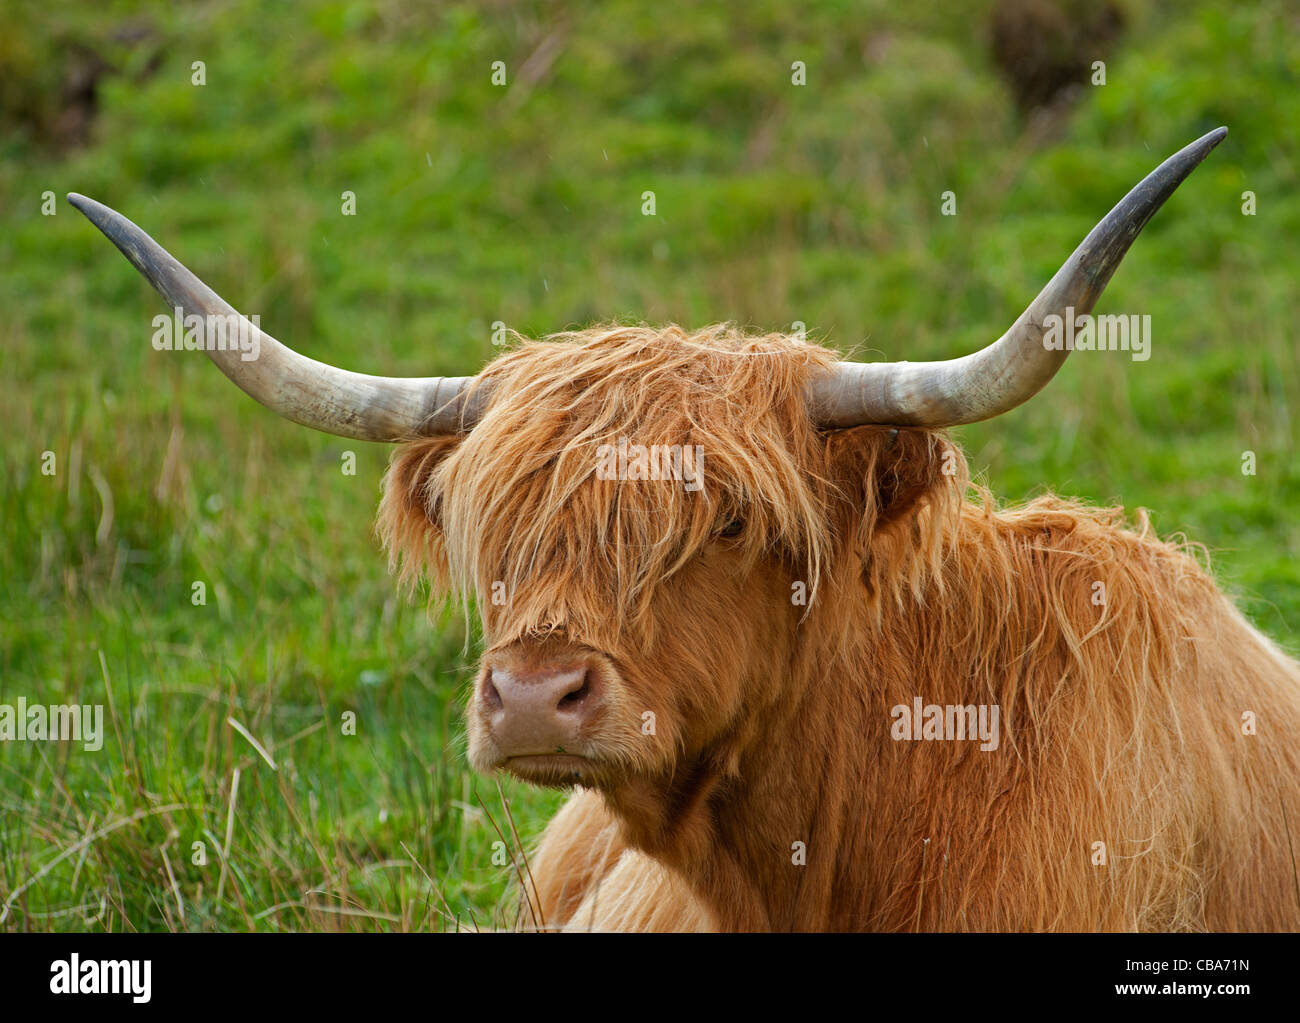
(538, 707)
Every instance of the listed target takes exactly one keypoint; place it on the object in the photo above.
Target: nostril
(573, 699)
(490, 695)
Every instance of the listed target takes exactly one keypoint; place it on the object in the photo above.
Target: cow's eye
(733, 528)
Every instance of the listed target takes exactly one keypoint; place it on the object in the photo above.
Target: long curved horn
(1016, 366)
(301, 389)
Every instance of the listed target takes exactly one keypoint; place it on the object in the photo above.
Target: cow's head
(644, 519)
(635, 627)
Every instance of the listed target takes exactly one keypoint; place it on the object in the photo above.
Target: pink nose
(538, 711)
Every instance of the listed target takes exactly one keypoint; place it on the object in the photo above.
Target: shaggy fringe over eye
(517, 502)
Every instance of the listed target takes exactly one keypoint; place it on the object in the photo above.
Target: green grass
(775, 203)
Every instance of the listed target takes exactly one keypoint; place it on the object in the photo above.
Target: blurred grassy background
(477, 203)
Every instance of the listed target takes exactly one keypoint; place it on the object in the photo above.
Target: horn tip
(96, 213)
(1209, 141)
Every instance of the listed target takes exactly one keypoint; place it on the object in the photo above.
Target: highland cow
(740, 680)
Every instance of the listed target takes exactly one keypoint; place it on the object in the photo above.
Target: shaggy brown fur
(1121, 722)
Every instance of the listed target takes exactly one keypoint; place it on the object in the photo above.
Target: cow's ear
(408, 521)
(885, 474)
(914, 467)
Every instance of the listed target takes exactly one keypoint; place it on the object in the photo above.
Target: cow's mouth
(553, 769)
